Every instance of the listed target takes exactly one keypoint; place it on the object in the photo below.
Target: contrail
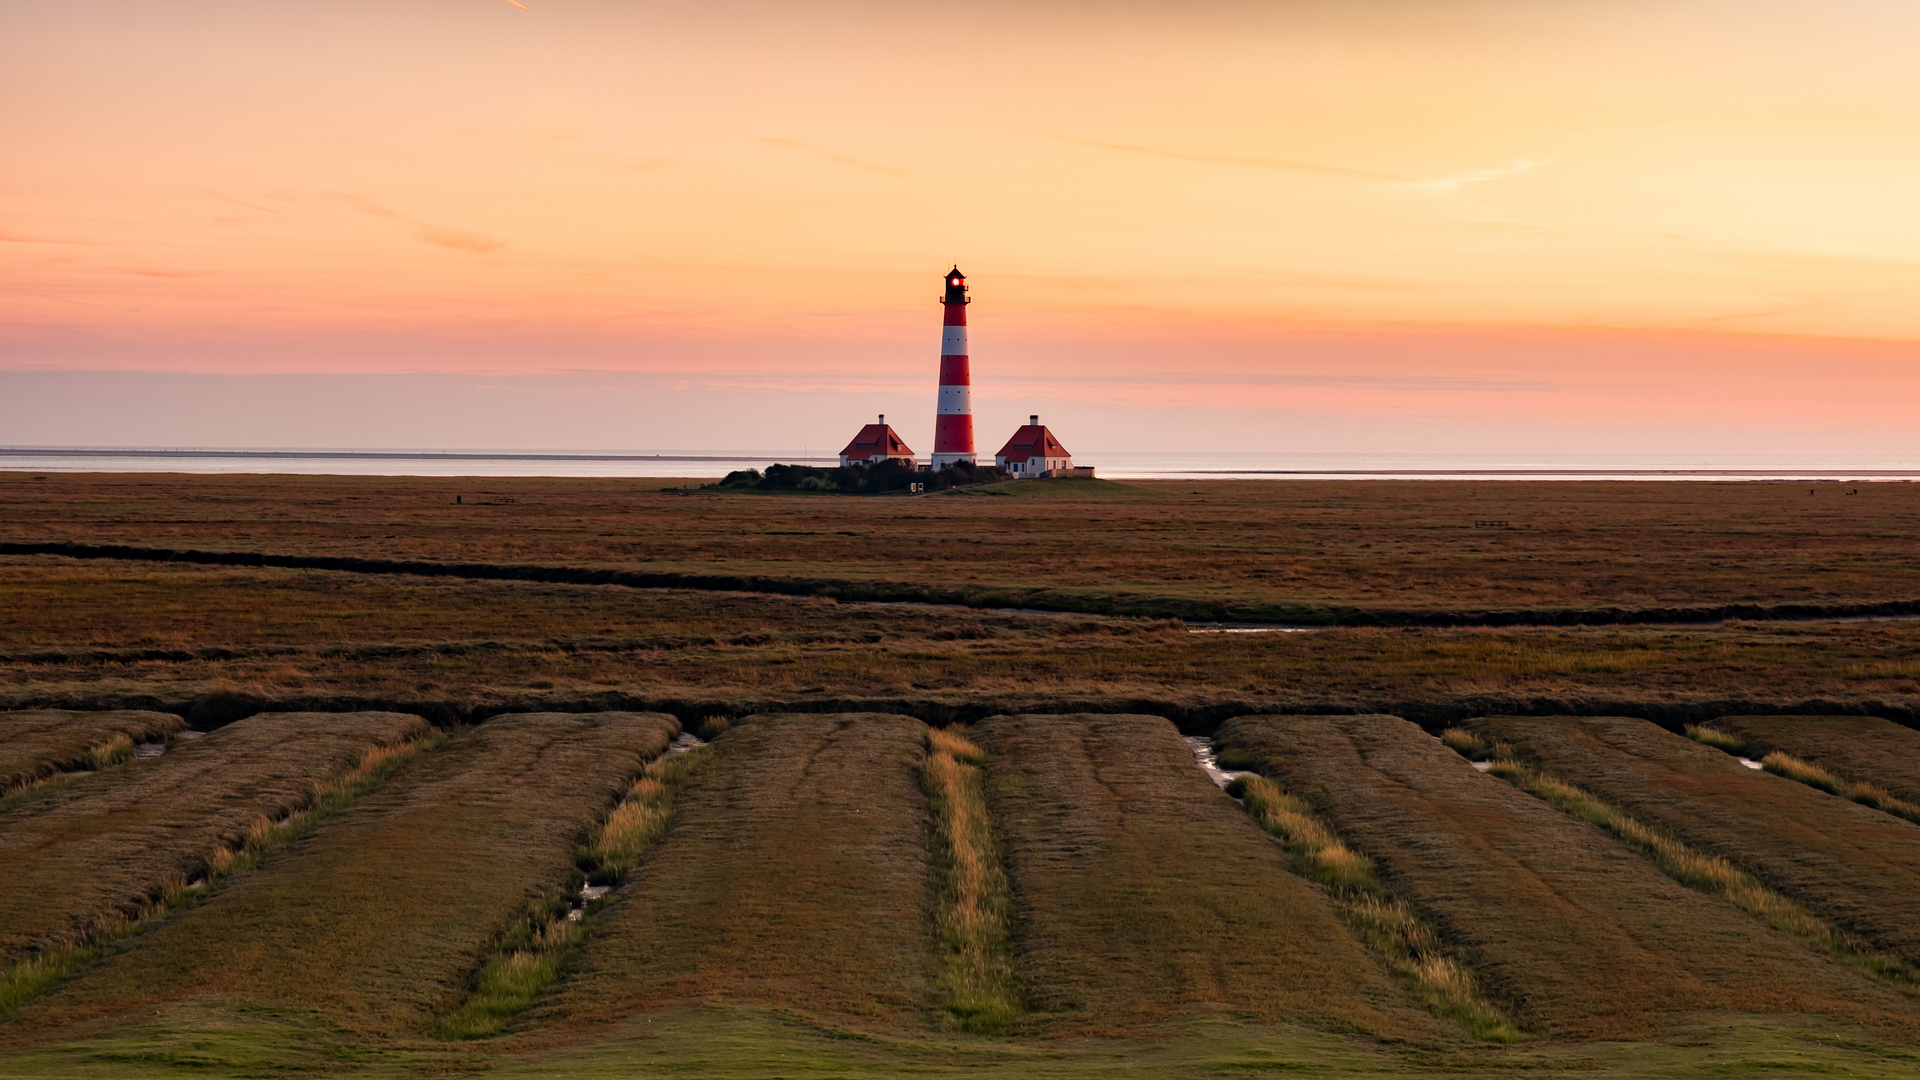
(518, 4)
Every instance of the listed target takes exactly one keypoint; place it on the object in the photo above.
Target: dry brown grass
(112, 636)
(1876, 761)
(105, 847)
(39, 744)
(1399, 934)
(796, 875)
(1145, 893)
(378, 919)
(1853, 868)
(1261, 545)
(975, 911)
(1806, 772)
(1578, 936)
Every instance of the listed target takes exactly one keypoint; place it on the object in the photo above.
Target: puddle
(1203, 756)
(687, 741)
(145, 750)
(1483, 766)
(1750, 763)
(594, 892)
(189, 735)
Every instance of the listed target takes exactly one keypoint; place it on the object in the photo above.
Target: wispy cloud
(438, 235)
(1252, 161)
(833, 156)
(1451, 184)
(15, 238)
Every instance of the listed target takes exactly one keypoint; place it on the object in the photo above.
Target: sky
(1682, 226)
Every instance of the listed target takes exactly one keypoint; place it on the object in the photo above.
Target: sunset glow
(1504, 212)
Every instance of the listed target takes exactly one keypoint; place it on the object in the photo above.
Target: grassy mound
(1585, 939)
(1862, 749)
(378, 918)
(1855, 867)
(796, 876)
(37, 744)
(1145, 893)
(103, 849)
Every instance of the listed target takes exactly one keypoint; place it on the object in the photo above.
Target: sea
(1117, 465)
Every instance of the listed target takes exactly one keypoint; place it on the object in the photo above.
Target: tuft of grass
(712, 726)
(532, 954)
(976, 902)
(112, 752)
(1466, 744)
(1806, 772)
(528, 959)
(1384, 922)
(1714, 737)
(1707, 873)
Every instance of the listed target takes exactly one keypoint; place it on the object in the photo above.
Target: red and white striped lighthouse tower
(953, 421)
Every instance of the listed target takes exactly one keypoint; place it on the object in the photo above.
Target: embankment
(1580, 936)
(1856, 867)
(378, 918)
(1144, 893)
(796, 876)
(105, 847)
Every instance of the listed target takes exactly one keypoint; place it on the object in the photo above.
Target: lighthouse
(953, 419)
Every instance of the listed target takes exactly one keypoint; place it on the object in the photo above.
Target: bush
(881, 478)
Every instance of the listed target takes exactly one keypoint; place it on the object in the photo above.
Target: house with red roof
(876, 443)
(1034, 452)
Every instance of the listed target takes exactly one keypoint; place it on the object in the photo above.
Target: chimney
(883, 419)
(1034, 420)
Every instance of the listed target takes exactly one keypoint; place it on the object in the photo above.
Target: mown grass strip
(1387, 924)
(1707, 873)
(48, 968)
(976, 903)
(532, 954)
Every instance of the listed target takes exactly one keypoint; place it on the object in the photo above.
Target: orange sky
(1519, 211)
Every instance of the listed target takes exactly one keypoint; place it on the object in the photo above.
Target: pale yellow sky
(466, 185)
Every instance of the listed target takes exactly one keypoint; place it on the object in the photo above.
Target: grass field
(106, 847)
(1856, 867)
(1859, 749)
(797, 877)
(1580, 937)
(1237, 548)
(377, 920)
(1144, 893)
(215, 643)
(38, 744)
(834, 888)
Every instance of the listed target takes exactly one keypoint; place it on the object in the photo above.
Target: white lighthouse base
(941, 461)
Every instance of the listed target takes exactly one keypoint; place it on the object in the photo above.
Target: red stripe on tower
(953, 419)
